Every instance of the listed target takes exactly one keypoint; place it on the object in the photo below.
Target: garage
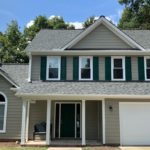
(134, 123)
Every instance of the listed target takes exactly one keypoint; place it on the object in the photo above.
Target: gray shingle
(47, 40)
(52, 39)
(102, 88)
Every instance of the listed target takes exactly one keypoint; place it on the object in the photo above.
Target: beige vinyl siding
(112, 120)
(35, 72)
(69, 68)
(101, 68)
(134, 63)
(37, 115)
(101, 37)
(93, 120)
(14, 112)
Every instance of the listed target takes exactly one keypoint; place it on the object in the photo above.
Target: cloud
(53, 16)
(78, 25)
(30, 23)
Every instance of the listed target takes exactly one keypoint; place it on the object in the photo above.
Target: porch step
(64, 148)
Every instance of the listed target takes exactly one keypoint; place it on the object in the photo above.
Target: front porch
(68, 123)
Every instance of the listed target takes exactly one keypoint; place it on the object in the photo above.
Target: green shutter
(43, 68)
(95, 68)
(63, 68)
(128, 68)
(108, 68)
(75, 68)
(141, 68)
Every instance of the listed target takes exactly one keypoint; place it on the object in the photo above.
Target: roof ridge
(62, 29)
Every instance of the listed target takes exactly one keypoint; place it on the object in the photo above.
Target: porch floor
(64, 143)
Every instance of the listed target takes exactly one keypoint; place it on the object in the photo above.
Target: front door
(67, 120)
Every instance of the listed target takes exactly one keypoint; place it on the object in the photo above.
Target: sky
(73, 11)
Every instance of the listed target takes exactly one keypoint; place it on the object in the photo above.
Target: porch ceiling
(85, 90)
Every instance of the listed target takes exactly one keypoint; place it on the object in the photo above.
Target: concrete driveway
(135, 148)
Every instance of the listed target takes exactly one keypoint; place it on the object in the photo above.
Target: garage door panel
(135, 123)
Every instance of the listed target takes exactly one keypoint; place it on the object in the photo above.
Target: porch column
(23, 126)
(27, 120)
(83, 123)
(103, 120)
(48, 122)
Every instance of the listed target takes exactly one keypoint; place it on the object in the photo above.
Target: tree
(13, 45)
(41, 22)
(135, 15)
(89, 21)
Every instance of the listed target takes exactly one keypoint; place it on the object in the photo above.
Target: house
(89, 86)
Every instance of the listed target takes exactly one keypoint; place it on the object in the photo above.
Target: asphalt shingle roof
(54, 39)
(100, 88)
(19, 74)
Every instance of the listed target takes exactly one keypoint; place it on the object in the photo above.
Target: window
(147, 68)
(85, 68)
(53, 68)
(118, 68)
(3, 110)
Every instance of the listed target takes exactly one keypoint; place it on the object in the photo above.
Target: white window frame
(91, 67)
(5, 112)
(112, 67)
(47, 69)
(145, 67)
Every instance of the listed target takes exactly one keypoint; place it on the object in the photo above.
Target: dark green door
(67, 120)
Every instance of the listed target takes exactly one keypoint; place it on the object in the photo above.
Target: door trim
(60, 103)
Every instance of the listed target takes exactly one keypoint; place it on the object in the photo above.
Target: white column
(30, 66)
(23, 126)
(103, 120)
(83, 123)
(27, 120)
(48, 122)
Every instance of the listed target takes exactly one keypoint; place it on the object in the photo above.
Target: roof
(18, 73)
(52, 39)
(55, 39)
(86, 88)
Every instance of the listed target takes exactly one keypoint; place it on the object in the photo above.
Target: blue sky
(25, 11)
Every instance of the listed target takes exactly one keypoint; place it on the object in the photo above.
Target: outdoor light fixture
(110, 108)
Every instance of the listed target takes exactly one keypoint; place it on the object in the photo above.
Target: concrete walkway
(135, 148)
(64, 148)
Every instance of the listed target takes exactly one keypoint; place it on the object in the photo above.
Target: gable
(101, 38)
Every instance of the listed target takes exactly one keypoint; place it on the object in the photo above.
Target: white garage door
(134, 123)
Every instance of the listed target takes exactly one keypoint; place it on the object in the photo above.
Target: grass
(23, 148)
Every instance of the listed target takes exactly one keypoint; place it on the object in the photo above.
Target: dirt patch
(9, 144)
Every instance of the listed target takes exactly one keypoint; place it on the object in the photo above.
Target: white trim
(59, 67)
(48, 122)
(83, 123)
(23, 126)
(109, 25)
(112, 68)
(9, 80)
(145, 67)
(91, 67)
(103, 121)
(27, 120)
(5, 112)
(30, 67)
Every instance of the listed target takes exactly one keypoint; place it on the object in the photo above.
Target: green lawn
(23, 148)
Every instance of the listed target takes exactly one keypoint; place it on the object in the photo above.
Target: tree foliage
(135, 15)
(13, 42)
(89, 21)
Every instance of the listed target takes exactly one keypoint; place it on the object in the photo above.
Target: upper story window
(85, 68)
(3, 110)
(118, 68)
(147, 68)
(53, 68)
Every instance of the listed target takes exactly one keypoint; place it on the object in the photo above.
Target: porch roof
(85, 88)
